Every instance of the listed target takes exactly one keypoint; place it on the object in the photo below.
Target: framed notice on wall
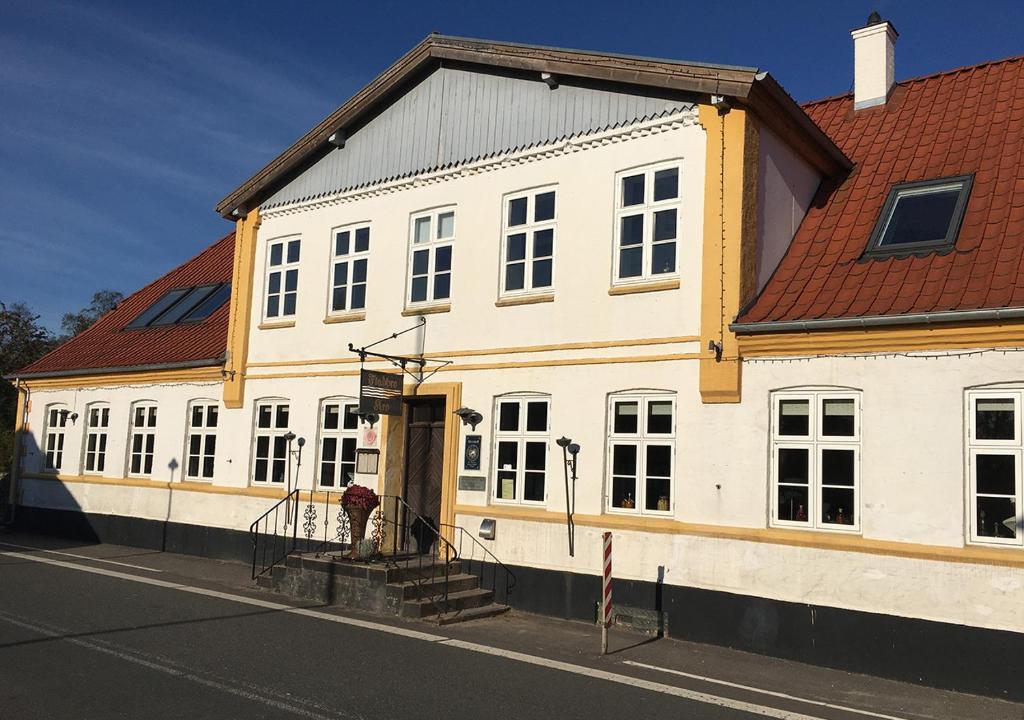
(472, 455)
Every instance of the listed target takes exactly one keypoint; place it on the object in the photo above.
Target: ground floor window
(521, 448)
(56, 422)
(97, 423)
(201, 448)
(641, 452)
(994, 466)
(816, 460)
(142, 439)
(270, 449)
(339, 426)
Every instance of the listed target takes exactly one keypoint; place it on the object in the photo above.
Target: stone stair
(409, 587)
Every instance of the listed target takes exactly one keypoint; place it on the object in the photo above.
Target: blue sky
(122, 124)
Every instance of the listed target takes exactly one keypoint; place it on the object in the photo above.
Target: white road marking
(631, 681)
(162, 665)
(761, 691)
(83, 557)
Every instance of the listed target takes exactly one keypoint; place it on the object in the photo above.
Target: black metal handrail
(272, 528)
(472, 561)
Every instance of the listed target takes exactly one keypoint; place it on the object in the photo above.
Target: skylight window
(183, 305)
(921, 216)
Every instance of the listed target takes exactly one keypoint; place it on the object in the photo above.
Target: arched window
(56, 422)
(521, 434)
(201, 439)
(270, 448)
(994, 450)
(339, 430)
(641, 452)
(142, 438)
(97, 424)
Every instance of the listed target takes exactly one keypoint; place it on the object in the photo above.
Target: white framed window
(270, 448)
(201, 439)
(339, 433)
(521, 439)
(142, 439)
(432, 235)
(641, 452)
(349, 262)
(57, 418)
(97, 425)
(647, 222)
(528, 242)
(282, 287)
(815, 460)
(994, 441)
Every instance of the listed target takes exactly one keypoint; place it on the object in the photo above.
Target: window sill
(524, 300)
(640, 514)
(426, 310)
(644, 287)
(276, 324)
(837, 530)
(345, 318)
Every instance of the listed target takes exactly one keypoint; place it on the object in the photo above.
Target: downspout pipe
(877, 321)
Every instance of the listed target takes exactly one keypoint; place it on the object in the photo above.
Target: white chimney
(874, 66)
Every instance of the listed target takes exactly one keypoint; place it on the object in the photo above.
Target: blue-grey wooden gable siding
(455, 116)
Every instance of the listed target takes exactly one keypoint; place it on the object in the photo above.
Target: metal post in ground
(606, 592)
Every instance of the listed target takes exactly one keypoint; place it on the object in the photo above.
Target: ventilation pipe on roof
(874, 65)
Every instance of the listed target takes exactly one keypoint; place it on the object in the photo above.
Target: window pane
(515, 276)
(208, 467)
(443, 259)
(274, 282)
(837, 506)
(291, 281)
(666, 184)
(362, 239)
(794, 417)
(327, 474)
(277, 471)
(281, 421)
(663, 258)
(262, 446)
(517, 212)
(195, 443)
(633, 190)
(273, 306)
(625, 420)
(293, 251)
(359, 271)
(341, 243)
(508, 416)
(536, 455)
(632, 230)
(420, 262)
(793, 503)
(542, 273)
(193, 466)
(280, 447)
(197, 416)
(341, 273)
(658, 494)
(996, 474)
(997, 517)
(289, 304)
(211, 416)
(537, 416)
(624, 460)
(994, 419)
(515, 247)
(348, 449)
(659, 417)
(207, 307)
(331, 417)
(837, 418)
(260, 471)
(338, 298)
(419, 289)
(350, 421)
(358, 297)
(544, 207)
(445, 225)
(624, 492)
(442, 286)
(631, 262)
(543, 243)
(154, 310)
(533, 486)
(659, 461)
(665, 225)
(793, 465)
(837, 467)
(923, 217)
(508, 452)
(422, 232)
(276, 251)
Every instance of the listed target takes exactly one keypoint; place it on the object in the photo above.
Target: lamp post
(573, 449)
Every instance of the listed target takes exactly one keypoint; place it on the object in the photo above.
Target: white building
(785, 339)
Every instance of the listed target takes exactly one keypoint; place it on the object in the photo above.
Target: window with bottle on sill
(994, 467)
(816, 460)
(641, 453)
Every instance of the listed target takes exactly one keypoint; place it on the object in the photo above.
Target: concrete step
(459, 616)
(418, 570)
(461, 600)
(415, 589)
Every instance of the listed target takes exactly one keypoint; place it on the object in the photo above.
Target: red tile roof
(106, 345)
(969, 120)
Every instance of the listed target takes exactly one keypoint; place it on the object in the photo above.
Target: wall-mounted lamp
(716, 348)
(338, 139)
(66, 415)
(238, 212)
(469, 417)
(550, 80)
(368, 418)
(570, 448)
(721, 103)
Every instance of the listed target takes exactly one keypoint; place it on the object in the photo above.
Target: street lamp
(573, 449)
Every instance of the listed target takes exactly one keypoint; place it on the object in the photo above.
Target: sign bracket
(401, 361)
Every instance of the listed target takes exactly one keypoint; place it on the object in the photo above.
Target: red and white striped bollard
(606, 592)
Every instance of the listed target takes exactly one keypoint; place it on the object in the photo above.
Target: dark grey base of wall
(943, 655)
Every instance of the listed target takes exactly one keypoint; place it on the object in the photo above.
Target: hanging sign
(380, 392)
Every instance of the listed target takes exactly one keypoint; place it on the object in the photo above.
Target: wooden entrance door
(424, 457)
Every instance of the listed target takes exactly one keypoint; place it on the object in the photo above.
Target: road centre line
(629, 680)
(83, 557)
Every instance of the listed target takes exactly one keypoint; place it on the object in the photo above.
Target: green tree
(22, 341)
(103, 301)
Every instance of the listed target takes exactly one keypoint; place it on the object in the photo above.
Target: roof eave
(79, 372)
(878, 321)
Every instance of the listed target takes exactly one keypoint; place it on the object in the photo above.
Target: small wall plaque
(473, 483)
(472, 455)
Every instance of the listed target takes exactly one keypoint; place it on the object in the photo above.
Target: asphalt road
(79, 639)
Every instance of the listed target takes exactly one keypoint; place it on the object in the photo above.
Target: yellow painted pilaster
(241, 309)
(730, 236)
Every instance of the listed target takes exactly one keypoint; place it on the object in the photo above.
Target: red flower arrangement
(359, 497)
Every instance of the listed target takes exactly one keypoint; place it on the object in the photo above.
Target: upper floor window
(816, 459)
(646, 222)
(521, 448)
(270, 445)
(97, 424)
(57, 419)
(528, 242)
(430, 256)
(348, 272)
(641, 452)
(339, 426)
(201, 443)
(994, 466)
(921, 216)
(142, 439)
(282, 278)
